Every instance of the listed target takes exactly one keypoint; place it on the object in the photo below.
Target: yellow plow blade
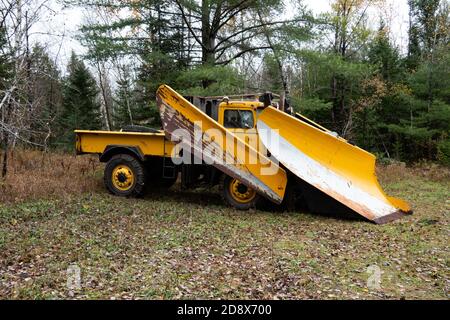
(205, 138)
(328, 163)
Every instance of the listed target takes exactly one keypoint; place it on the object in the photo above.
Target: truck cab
(238, 114)
(240, 118)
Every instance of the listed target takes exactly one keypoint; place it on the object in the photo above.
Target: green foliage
(271, 75)
(358, 83)
(157, 68)
(336, 82)
(134, 101)
(414, 50)
(384, 56)
(142, 31)
(313, 108)
(438, 118)
(430, 23)
(81, 109)
(391, 105)
(431, 80)
(5, 60)
(443, 151)
(222, 80)
(423, 125)
(123, 101)
(46, 91)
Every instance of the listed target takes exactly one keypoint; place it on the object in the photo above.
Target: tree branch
(188, 24)
(241, 53)
(224, 14)
(234, 43)
(254, 27)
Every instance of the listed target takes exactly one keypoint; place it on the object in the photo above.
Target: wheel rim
(122, 177)
(240, 192)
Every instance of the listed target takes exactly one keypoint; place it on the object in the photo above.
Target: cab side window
(238, 119)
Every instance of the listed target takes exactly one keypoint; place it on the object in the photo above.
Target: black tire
(137, 187)
(229, 199)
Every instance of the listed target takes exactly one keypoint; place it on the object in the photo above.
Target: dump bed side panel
(150, 144)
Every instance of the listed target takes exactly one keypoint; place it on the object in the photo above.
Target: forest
(338, 68)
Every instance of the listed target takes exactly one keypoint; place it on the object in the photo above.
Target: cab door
(242, 123)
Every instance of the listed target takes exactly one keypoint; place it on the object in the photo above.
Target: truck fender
(112, 150)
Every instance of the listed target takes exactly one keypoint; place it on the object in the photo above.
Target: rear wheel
(238, 195)
(125, 176)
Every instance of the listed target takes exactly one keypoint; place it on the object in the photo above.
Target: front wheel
(125, 176)
(238, 195)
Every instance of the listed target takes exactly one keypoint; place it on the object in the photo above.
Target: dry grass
(398, 171)
(36, 175)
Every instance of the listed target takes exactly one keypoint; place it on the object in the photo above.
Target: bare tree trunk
(103, 87)
(5, 156)
(207, 40)
(128, 107)
(334, 110)
(6, 143)
(275, 53)
(123, 77)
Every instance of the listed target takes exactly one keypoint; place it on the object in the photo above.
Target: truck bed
(150, 144)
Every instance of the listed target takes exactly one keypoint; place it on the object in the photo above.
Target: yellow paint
(122, 177)
(248, 135)
(242, 152)
(335, 154)
(154, 144)
(150, 144)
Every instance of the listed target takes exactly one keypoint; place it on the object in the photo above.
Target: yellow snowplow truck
(248, 146)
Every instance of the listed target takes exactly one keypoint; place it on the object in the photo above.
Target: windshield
(239, 119)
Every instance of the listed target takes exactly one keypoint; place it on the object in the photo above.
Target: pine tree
(422, 131)
(271, 76)
(125, 112)
(385, 56)
(5, 60)
(46, 92)
(81, 109)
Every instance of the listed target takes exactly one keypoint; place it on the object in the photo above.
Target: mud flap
(215, 145)
(328, 163)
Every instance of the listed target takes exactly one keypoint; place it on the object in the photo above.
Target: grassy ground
(188, 245)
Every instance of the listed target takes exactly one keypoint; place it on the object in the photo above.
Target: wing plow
(329, 164)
